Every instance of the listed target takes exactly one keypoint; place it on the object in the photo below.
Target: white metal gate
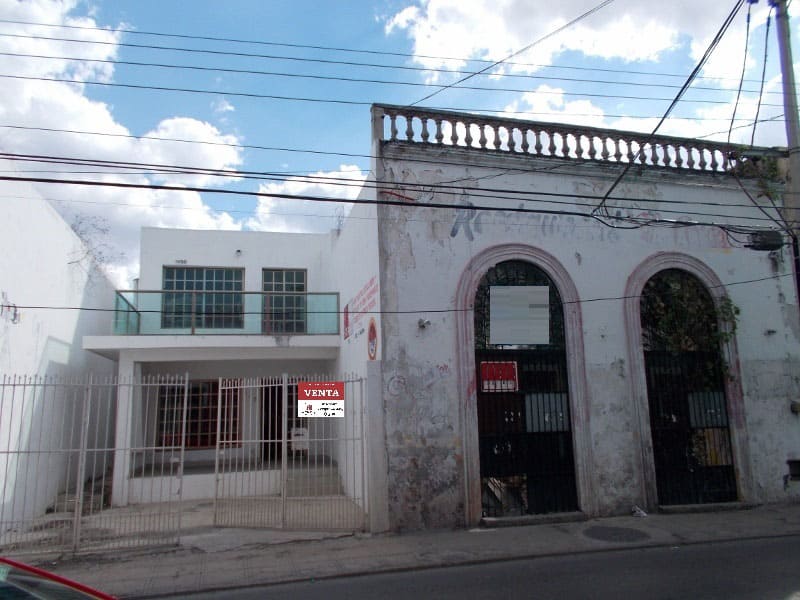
(58, 449)
(90, 464)
(277, 470)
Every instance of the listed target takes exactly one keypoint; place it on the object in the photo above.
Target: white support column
(129, 373)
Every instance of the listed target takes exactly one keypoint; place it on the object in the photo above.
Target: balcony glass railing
(225, 312)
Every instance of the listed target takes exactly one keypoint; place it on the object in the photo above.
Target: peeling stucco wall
(423, 254)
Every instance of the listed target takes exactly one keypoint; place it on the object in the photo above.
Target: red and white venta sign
(499, 376)
(320, 399)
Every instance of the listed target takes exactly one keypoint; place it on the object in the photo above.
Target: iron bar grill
(690, 431)
(526, 454)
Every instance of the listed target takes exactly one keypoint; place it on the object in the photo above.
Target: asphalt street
(761, 569)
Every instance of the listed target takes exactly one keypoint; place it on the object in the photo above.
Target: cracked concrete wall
(423, 254)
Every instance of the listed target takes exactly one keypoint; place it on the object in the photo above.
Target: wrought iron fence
(90, 464)
(283, 470)
(57, 451)
(690, 430)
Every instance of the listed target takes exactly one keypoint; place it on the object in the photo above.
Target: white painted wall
(335, 262)
(354, 268)
(43, 263)
(424, 253)
(259, 250)
(248, 250)
(355, 273)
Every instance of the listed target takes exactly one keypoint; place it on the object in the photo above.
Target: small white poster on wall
(519, 315)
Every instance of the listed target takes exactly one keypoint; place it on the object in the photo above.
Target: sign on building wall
(372, 340)
(499, 376)
(358, 308)
(320, 399)
(519, 314)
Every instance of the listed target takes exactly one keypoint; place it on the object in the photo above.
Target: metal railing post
(216, 454)
(284, 444)
(183, 451)
(364, 497)
(81, 475)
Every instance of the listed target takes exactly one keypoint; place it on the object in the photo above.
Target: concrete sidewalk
(226, 558)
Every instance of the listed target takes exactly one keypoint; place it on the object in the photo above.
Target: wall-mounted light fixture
(423, 323)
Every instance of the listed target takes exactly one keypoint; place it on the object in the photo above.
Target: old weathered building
(532, 361)
(523, 318)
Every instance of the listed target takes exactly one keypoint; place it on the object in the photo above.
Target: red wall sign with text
(499, 376)
(320, 399)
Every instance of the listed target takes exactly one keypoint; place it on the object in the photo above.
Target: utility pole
(791, 197)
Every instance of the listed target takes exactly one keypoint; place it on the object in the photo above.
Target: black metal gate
(689, 425)
(524, 425)
(526, 455)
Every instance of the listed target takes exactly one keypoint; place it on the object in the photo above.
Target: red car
(19, 581)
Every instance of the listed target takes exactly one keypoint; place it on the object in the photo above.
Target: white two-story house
(213, 341)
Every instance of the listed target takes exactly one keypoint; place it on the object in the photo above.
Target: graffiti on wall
(470, 222)
(421, 408)
(8, 311)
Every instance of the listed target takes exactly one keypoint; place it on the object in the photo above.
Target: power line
(326, 216)
(329, 49)
(281, 148)
(448, 222)
(777, 220)
(421, 311)
(329, 180)
(325, 100)
(744, 70)
(517, 53)
(185, 169)
(717, 38)
(378, 81)
(751, 124)
(637, 222)
(189, 90)
(763, 74)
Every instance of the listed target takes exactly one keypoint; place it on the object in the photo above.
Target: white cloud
(547, 103)
(222, 106)
(56, 105)
(276, 214)
(630, 30)
(214, 150)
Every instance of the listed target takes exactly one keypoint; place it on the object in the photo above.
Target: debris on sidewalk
(638, 512)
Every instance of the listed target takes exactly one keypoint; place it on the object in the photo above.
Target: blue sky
(617, 68)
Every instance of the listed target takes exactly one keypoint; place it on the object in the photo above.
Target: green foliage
(679, 315)
(764, 169)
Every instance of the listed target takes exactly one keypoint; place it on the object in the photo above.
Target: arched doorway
(527, 463)
(685, 373)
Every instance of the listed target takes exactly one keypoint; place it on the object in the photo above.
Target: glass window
(285, 302)
(209, 298)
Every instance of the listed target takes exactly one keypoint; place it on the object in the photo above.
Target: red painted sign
(320, 399)
(499, 376)
(320, 390)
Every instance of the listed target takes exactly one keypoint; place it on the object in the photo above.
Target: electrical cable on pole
(488, 68)
(791, 198)
(601, 207)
